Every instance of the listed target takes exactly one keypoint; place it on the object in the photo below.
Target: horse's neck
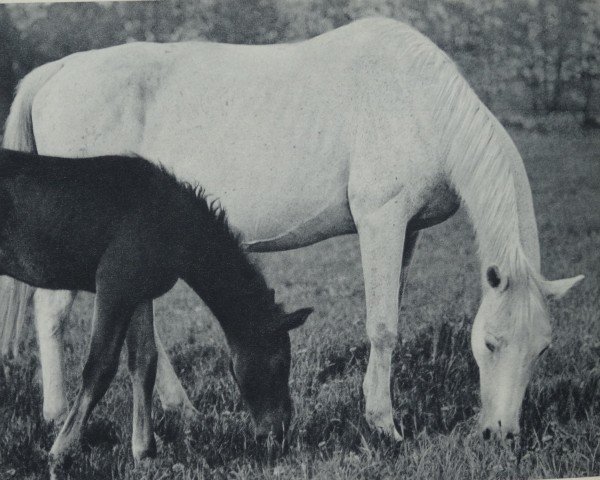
(488, 173)
(527, 223)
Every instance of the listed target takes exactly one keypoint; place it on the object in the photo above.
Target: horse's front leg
(141, 353)
(51, 310)
(382, 233)
(111, 319)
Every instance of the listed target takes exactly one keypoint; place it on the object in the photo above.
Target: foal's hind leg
(51, 310)
(111, 319)
(141, 350)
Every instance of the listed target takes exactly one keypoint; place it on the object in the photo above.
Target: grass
(436, 402)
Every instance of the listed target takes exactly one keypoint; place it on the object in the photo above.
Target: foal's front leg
(111, 319)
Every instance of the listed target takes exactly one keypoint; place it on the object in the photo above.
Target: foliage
(543, 55)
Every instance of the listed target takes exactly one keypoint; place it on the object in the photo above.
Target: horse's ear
(559, 288)
(496, 279)
(289, 321)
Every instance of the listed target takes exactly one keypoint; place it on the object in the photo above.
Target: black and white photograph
(300, 239)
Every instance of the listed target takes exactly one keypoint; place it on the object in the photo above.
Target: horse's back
(270, 130)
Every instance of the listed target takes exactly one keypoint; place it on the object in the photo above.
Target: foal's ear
(289, 321)
(495, 279)
(559, 288)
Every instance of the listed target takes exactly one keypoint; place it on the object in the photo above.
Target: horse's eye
(543, 351)
(490, 346)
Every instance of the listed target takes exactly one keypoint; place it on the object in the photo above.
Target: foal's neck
(230, 285)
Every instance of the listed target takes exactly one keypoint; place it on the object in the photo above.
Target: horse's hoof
(189, 413)
(58, 466)
(56, 417)
(389, 433)
(386, 429)
(146, 452)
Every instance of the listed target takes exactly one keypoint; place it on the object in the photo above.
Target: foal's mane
(236, 273)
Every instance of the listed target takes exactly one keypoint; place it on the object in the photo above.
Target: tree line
(537, 55)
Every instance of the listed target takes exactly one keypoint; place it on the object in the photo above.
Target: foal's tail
(18, 135)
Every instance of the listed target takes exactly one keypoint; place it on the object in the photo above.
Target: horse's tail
(14, 298)
(18, 135)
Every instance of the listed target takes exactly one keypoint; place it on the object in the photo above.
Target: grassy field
(436, 402)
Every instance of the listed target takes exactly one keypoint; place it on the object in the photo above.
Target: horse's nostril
(487, 433)
(510, 436)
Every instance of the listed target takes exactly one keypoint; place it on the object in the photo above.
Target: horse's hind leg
(141, 350)
(111, 319)
(51, 310)
(169, 388)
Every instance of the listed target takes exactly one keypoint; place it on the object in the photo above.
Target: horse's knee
(51, 309)
(382, 336)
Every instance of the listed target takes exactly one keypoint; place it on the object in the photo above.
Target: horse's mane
(482, 164)
(479, 155)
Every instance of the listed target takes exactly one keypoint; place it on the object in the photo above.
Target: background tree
(9, 52)
(526, 55)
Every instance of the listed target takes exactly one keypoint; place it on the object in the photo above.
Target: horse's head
(262, 369)
(511, 331)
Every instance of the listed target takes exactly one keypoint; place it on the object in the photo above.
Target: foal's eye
(543, 351)
(490, 346)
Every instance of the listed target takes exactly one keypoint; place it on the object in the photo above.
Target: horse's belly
(331, 221)
(439, 202)
(289, 204)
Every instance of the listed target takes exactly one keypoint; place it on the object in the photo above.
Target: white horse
(369, 128)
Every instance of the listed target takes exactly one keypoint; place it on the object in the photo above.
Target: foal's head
(260, 365)
(511, 331)
(256, 327)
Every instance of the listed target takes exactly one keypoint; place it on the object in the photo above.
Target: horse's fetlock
(55, 413)
(145, 450)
